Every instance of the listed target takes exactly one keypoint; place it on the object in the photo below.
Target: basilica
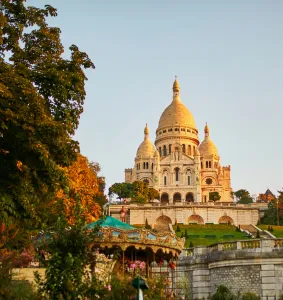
(180, 167)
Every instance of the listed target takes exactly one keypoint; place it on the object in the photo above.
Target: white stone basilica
(177, 166)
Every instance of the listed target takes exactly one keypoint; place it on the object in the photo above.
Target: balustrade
(250, 244)
(229, 246)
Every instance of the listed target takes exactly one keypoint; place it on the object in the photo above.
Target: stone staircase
(253, 231)
(250, 229)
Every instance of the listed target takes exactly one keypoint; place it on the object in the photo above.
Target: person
(123, 213)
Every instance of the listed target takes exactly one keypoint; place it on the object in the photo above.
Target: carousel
(124, 249)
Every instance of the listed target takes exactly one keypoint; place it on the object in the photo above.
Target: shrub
(147, 226)
(257, 234)
(191, 244)
(271, 229)
(250, 296)
(222, 293)
(186, 233)
(178, 228)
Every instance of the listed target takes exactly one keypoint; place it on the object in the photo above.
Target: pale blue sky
(228, 56)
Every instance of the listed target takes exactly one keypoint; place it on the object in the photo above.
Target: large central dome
(176, 114)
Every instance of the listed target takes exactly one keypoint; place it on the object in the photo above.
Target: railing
(229, 246)
(250, 244)
(265, 245)
(184, 203)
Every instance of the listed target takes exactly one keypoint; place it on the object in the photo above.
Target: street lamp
(277, 201)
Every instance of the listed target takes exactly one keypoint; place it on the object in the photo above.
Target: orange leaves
(84, 186)
(20, 166)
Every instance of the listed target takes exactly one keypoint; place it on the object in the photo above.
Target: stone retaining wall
(250, 266)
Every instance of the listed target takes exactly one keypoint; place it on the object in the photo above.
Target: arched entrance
(164, 198)
(177, 197)
(162, 223)
(189, 197)
(225, 220)
(197, 219)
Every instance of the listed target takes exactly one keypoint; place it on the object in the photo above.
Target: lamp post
(277, 201)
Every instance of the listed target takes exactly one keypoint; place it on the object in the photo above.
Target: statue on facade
(123, 214)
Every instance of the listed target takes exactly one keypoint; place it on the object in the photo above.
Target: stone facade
(177, 166)
(185, 214)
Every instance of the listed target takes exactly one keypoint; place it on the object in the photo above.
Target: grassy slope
(277, 230)
(213, 229)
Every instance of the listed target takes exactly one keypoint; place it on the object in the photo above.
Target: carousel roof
(110, 222)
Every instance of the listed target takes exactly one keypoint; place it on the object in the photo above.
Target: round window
(208, 181)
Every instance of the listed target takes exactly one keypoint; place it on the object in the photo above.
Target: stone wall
(252, 266)
(244, 279)
(209, 213)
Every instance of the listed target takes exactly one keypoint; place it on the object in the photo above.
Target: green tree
(41, 99)
(243, 196)
(186, 233)
(214, 196)
(68, 267)
(147, 226)
(122, 190)
(274, 214)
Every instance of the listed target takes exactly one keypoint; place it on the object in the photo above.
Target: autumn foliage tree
(41, 99)
(84, 187)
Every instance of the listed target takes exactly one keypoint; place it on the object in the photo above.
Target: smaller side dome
(207, 147)
(146, 148)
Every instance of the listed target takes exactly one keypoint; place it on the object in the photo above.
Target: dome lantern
(176, 88)
(206, 130)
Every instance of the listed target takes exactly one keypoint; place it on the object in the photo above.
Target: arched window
(201, 165)
(177, 170)
(146, 181)
(209, 164)
(144, 165)
(184, 148)
(170, 148)
(165, 180)
(164, 150)
(206, 164)
(160, 152)
(152, 166)
(164, 198)
(177, 197)
(189, 150)
(189, 180)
